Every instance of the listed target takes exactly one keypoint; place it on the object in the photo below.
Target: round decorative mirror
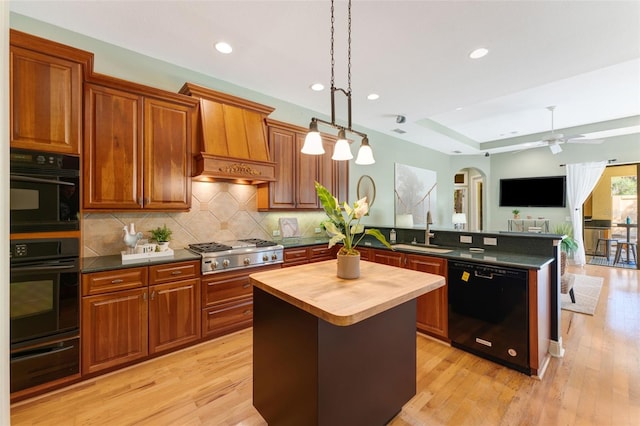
(366, 187)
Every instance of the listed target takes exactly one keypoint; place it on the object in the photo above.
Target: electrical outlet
(318, 230)
(467, 239)
(490, 241)
(276, 233)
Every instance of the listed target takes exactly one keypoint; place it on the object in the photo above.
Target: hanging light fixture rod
(313, 141)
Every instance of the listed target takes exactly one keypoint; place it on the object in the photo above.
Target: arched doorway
(469, 196)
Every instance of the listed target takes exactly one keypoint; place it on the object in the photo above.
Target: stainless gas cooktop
(237, 254)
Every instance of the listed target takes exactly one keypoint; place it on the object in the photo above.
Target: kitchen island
(328, 351)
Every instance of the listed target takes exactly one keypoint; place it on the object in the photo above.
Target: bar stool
(607, 250)
(629, 248)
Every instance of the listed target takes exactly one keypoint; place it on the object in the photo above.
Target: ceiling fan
(554, 140)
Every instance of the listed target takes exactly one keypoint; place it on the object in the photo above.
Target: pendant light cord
(349, 52)
(333, 61)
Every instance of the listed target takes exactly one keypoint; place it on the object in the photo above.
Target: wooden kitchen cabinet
(129, 314)
(114, 329)
(365, 253)
(46, 94)
(388, 257)
(174, 305)
(294, 256)
(227, 301)
(432, 308)
(296, 173)
(137, 149)
(174, 314)
(322, 252)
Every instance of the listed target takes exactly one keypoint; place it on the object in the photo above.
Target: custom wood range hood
(231, 138)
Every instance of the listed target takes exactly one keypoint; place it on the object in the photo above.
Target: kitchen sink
(423, 248)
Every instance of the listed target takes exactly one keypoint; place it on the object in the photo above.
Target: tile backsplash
(219, 212)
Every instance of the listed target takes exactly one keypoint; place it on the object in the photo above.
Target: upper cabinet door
(46, 102)
(112, 149)
(167, 129)
(308, 172)
(281, 193)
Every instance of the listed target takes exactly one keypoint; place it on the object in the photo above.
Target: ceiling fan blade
(585, 140)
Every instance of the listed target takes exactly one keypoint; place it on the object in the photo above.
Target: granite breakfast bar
(328, 351)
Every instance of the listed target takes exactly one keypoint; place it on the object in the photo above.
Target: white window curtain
(581, 179)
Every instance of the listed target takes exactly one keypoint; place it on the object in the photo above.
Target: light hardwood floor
(596, 383)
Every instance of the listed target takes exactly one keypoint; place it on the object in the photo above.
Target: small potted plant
(516, 213)
(343, 226)
(162, 235)
(568, 244)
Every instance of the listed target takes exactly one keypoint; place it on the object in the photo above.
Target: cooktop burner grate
(258, 242)
(209, 247)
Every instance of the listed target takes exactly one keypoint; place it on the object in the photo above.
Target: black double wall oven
(44, 191)
(44, 287)
(44, 311)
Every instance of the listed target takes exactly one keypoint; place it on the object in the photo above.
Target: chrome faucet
(427, 231)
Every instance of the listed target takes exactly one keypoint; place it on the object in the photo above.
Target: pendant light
(313, 140)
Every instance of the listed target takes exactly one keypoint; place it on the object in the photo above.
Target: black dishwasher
(489, 312)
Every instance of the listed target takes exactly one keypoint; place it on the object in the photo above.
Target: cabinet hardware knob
(247, 312)
(246, 285)
(176, 272)
(117, 281)
(144, 296)
(153, 294)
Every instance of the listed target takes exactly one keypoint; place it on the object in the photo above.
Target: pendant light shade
(365, 154)
(313, 141)
(342, 151)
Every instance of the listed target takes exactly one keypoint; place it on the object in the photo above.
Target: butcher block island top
(316, 289)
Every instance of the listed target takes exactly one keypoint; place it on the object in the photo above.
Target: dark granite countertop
(302, 242)
(112, 262)
(493, 257)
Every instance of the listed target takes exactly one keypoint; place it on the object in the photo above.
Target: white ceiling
(582, 56)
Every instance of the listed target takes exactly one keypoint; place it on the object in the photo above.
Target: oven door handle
(41, 354)
(20, 178)
(43, 267)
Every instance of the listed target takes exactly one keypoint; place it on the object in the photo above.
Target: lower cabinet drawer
(225, 290)
(222, 319)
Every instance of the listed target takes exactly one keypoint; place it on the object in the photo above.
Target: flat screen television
(546, 191)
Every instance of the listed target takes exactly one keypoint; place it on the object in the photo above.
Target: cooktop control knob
(247, 261)
(215, 264)
(206, 266)
(274, 256)
(265, 257)
(225, 263)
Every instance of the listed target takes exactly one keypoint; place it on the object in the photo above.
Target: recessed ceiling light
(317, 87)
(373, 96)
(223, 47)
(459, 109)
(478, 53)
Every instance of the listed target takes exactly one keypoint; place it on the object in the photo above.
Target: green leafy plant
(344, 222)
(161, 235)
(515, 212)
(568, 243)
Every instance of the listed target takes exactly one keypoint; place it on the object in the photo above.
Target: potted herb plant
(162, 235)
(516, 213)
